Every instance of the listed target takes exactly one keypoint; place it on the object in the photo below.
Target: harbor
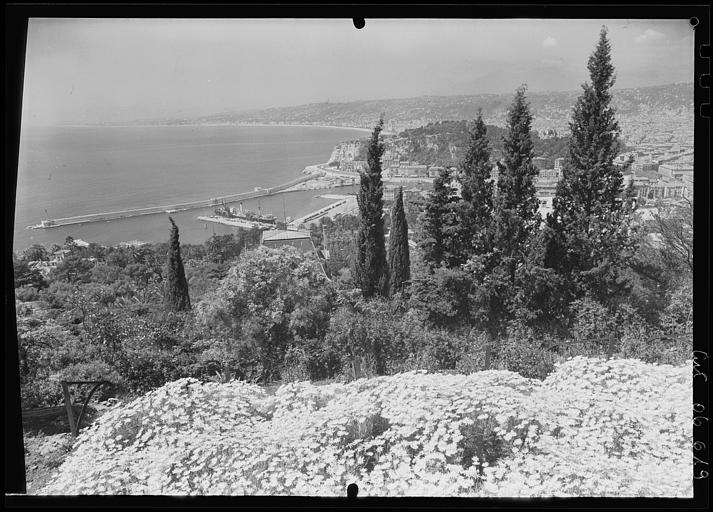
(172, 208)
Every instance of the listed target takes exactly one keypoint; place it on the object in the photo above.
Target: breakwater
(153, 210)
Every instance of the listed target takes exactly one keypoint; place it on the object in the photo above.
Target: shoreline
(314, 177)
(193, 125)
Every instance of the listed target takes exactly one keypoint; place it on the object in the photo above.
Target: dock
(236, 223)
(153, 210)
(345, 204)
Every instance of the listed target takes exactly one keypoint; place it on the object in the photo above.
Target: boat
(245, 214)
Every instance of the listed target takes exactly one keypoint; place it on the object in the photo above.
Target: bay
(68, 171)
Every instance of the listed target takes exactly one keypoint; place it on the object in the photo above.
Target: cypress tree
(476, 191)
(399, 260)
(515, 214)
(177, 298)
(439, 226)
(370, 267)
(590, 231)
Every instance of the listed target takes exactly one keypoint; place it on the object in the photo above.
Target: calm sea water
(67, 171)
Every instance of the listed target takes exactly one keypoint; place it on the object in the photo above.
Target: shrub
(472, 359)
(592, 428)
(480, 444)
(592, 320)
(522, 352)
(269, 298)
(91, 371)
(653, 346)
(27, 294)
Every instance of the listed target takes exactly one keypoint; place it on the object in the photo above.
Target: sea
(76, 170)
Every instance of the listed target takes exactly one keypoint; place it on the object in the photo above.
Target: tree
(176, 298)
(674, 224)
(69, 243)
(26, 276)
(476, 190)
(370, 266)
(220, 248)
(73, 268)
(516, 204)
(36, 252)
(590, 243)
(399, 260)
(439, 223)
(514, 224)
(270, 299)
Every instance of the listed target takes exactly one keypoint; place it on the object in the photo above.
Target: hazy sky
(90, 70)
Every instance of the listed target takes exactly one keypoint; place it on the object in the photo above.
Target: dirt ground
(48, 441)
(43, 456)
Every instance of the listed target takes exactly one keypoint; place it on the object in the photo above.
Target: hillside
(551, 109)
(442, 143)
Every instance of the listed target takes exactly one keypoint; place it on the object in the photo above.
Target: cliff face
(346, 151)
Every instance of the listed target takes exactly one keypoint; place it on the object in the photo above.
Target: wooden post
(68, 405)
(356, 367)
(610, 347)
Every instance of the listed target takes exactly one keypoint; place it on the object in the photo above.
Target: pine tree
(370, 267)
(439, 226)
(399, 260)
(590, 240)
(177, 298)
(516, 217)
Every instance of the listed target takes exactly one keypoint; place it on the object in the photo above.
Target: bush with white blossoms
(592, 428)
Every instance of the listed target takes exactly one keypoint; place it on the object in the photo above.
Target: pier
(153, 210)
(348, 203)
(236, 223)
(344, 204)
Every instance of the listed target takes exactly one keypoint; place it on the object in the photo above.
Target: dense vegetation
(264, 314)
(445, 143)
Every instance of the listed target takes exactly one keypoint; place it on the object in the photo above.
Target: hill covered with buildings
(668, 108)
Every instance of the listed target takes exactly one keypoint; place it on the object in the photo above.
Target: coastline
(134, 125)
(310, 178)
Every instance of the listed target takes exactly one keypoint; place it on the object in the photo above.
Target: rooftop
(279, 234)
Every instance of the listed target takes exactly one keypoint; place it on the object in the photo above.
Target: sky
(119, 70)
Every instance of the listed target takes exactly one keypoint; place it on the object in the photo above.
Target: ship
(244, 214)
(45, 223)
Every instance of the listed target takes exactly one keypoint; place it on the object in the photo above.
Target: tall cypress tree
(439, 226)
(590, 240)
(399, 259)
(370, 266)
(515, 214)
(177, 298)
(476, 191)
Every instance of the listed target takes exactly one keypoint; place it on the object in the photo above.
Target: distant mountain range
(550, 109)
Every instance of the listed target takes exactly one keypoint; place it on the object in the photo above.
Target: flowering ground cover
(591, 428)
